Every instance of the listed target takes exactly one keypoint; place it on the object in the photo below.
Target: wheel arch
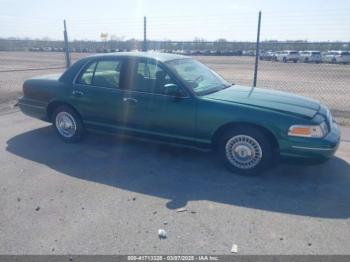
(224, 128)
(51, 107)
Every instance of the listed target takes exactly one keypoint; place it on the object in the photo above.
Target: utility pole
(144, 34)
(66, 45)
(257, 52)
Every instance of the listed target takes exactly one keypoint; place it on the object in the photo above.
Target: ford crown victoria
(176, 99)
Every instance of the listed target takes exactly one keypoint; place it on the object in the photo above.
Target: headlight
(317, 131)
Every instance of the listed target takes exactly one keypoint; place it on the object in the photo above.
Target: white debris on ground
(181, 210)
(162, 233)
(234, 248)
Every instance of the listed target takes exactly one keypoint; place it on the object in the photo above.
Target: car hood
(269, 99)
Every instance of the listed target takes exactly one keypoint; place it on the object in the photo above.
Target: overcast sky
(313, 20)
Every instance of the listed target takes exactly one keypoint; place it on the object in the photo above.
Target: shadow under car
(183, 175)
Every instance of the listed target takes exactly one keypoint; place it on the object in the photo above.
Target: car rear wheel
(284, 60)
(246, 150)
(68, 124)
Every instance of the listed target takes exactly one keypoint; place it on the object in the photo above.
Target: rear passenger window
(86, 77)
(102, 73)
(107, 74)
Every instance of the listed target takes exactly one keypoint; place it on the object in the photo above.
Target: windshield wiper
(213, 90)
(216, 89)
(229, 85)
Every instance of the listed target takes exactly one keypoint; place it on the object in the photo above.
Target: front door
(149, 109)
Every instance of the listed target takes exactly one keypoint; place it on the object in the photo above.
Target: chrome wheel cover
(65, 124)
(243, 152)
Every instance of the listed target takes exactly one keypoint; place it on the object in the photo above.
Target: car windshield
(197, 76)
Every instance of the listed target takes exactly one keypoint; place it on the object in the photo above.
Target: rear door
(149, 109)
(96, 92)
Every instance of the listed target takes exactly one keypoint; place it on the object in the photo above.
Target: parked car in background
(237, 53)
(205, 52)
(310, 56)
(268, 56)
(34, 49)
(342, 57)
(47, 49)
(287, 55)
(176, 99)
(248, 52)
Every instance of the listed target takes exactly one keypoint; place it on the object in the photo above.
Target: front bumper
(314, 59)
(312, 148)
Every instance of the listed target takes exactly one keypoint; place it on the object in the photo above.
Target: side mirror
(172, 90)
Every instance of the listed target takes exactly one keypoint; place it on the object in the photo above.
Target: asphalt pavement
(109, 195)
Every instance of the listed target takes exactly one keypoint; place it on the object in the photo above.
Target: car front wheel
(247, 150)
(67, 124)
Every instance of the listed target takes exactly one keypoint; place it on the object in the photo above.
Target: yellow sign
(104, 35)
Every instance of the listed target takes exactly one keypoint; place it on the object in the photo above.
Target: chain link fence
(307, 68)
(308, 74)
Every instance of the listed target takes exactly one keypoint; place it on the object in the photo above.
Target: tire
(67, 124)
(284, 60)
(306, 60)
(246, 141)
(294, 61)
(334, 61)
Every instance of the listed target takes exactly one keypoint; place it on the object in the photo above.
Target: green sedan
(176, 99)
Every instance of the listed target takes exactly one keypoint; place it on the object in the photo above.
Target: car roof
(163, 57)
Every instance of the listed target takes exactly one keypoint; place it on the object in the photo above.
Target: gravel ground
(110, 196)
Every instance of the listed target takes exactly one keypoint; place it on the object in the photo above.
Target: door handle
(77, 93)
(130, 100)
